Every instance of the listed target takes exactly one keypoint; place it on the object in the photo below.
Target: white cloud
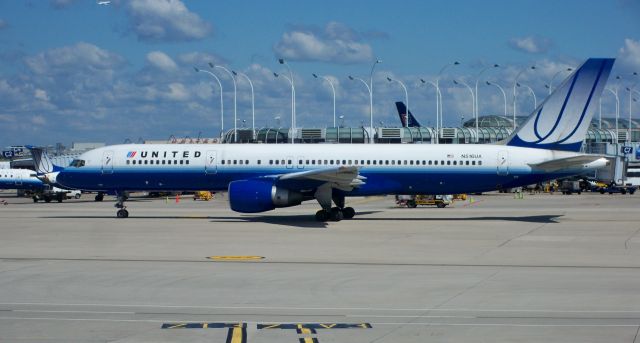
(166, 20)
(336, 43)
(531, 44)
(41, 95)
(630, 53)
(69, 59)
(161, 61)
(200, 59)
(177, 92)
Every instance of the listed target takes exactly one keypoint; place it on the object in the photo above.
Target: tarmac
(493, 268)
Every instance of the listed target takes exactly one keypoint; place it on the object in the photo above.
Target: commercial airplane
(19, 179)
(262, 177)
(402, 113)
(28, 180)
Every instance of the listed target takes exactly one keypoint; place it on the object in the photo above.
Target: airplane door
(289, 162)
(503, 162)
(107, 162)
(300, 161)
(211, 163)
(19, 179)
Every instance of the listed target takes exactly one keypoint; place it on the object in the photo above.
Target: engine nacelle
(251, 196)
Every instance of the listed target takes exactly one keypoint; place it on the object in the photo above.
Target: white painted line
(372, 324)
(86, 312)
(321, 308)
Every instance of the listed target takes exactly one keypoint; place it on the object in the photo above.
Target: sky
(80, 71)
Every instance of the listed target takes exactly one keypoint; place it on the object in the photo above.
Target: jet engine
(251, 196)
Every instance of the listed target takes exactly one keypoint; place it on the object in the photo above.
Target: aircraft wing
(343, 178)
(573, 162)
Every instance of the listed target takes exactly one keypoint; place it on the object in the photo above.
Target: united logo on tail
(562, 120)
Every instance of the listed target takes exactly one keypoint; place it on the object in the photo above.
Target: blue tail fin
(42, 162)
(402, 112)
(562, 120)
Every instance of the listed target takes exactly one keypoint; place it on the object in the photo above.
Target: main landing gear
(122, 212)
(325, 194)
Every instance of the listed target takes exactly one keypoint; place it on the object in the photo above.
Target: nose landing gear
(122, 212)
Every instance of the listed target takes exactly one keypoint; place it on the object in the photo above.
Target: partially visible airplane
(402, 113)
(262, 177)
(104, 3)
(26, 179)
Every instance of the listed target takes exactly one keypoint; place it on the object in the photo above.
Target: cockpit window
(77, 163)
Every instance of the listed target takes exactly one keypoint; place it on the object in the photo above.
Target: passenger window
(455, 163)
(246, 161)
(374, 162)
(306, 162)
(175, 161)
(163, 161)
(270, 161)
(380, 162)
(331, 161)
(186, 162)
(441, 162)
(128, 161)
(393, 162)
(157, 161)
(466, 162)
(368, 162)
(146, 162)
(235, 161)
(405, 162)
(282, 162)
(221, 162)
(479, 163)
(351, 163)
(277, 162)
(386, 162)
(259, 161)
(411, 162)
(362, 162)
(168, 161)
(344, 162)
(448, 163)
(473, 163)
(182, 161)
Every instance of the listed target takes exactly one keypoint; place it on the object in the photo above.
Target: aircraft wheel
(122, 213)
(77, 196)
(441, 205)
(35, 198)
(47, 199)
(412, 204)
(348, 212)
(336, 215)
(99, 197)
(322, 215)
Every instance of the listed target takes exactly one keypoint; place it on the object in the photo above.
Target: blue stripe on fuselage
(383, 180)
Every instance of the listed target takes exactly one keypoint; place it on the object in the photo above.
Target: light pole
(504, 95)
(477, 80)
(406, 98)
(221, 102)
(631, 91)
(235, 104)
(439, 103)
(293, 104)
(615, 94)
(370, 105)
(438, 95)
(550, 85)
(333, 90)
(473, 102)
(293, 92)
(535, 100)
(515, 82)
(373, 66)
(253, 107)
